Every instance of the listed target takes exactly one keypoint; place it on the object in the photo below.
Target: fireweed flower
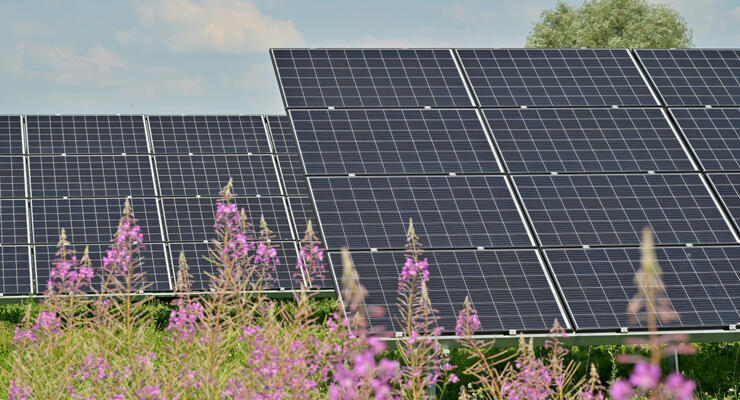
(411, 269)
(47, 323)
(311, 259)
(645, 375)
(126, 246)
(680, 387)
(467, 321)
(16, 392)
(68, 275)
(184, 319)
(621, 390)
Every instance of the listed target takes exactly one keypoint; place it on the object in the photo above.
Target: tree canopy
(611, 23)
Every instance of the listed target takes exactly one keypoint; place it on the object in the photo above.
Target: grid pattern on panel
(555, 77)
(154, 265)
(282, 134)
(586, 140)
(11, 136)
(702, 285)
(714, 134)
(728, 188)
(447, 211)
(90, 220)
(13, 222)
(301, 210)
(191, 219)
(15, 271)
(694, 77)
(206, 175)
(291, 169)
(369, 78)
(12, 177)
(86, 134)
(91, 176)
(208, 134)
(613, 209)
(335, 142)
(201, 270)
(508, 288)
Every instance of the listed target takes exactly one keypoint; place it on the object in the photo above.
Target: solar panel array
(529, 196)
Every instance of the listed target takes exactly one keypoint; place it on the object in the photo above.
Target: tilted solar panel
(13, 222)
(86, 134)
(448, 211)
(694, 77)
(714, 135)
(91, 176)
(15, 270)
(301, 211)
(508, 288)
(587, 140)
(391, 141)
(582, 210)
(208, 134)
(702, 285)
(282, 134)
(12, 177)
(369, 78)
(206, 175)
(11, 135)
(728, 188)
(555, 77)
(294, 177)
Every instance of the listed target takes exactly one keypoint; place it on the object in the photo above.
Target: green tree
(611, 23)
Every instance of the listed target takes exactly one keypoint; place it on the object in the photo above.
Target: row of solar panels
(529, 175)
(75, 172)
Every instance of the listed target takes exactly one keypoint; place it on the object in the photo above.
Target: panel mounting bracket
(731, 327)
(512, 332)
(615, 106)
(427, 107)
(624, 330)
(374, 249)
(707, 106)
(331, 108)
(689, 245)
(481, 248)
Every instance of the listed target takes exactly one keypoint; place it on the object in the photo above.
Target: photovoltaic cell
(581, 210)
(12, 178)
(11, 135)
(201, 270)
(86, 134)
(335, 142)
(294, 177)
(206, 175)
(13, 222)
(555, 77)
(91, 176)
(728, 188)
(714, 134)
(587, 140)
(694, 77)
(369, 78)
(208, 134)
(301, 210)
(90, 220)
(508, 288)
(191, 219)
(15, 271)
(702, 285)
(282, 134)
(447, 211)
(154, 265)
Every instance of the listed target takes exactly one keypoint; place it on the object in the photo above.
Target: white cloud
(227, 26)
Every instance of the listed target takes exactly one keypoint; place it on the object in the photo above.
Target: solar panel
(12, 177)
(154, 265)
(11, 135)
(714, 134)
(191, 219)
(613, 209)
(208, 134)
(385, 142)
(294, 177)
(369, 78)
(90, 220)
(728, 188)
(91, 176)
(555, 77)
(86, 134)
(301, 210)
(694, 77)
(508, 288)
(587, 140)
(207, 175)
(702, 284)
(201, 270)
(13, 222)
(15, 270)
(448, 211)
(282, 134)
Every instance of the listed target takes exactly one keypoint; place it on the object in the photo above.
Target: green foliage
(611, 24)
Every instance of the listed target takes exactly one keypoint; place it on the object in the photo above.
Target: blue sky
(210, 56)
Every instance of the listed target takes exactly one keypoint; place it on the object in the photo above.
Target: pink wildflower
(679, 386)
(645, 375)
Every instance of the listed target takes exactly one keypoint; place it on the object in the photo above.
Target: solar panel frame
(12, 177)
(11, 135)
(727, 186)
(86, 134)
(182, 134)
(15, 271)
(713, 134)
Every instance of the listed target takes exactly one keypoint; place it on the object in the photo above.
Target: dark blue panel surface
(208, 134)
(13, 222)
(86, 134)
(714, 134)
(369, 78)
(90, 220)
(91, 176)
(587, 140)
(301, 210)
(694, 77)
(207, 175)
(555, 77)
(386, 142)
(508, 288)
(11, 136)
(294, 177)
(613, 209)
(728, 188)
(702, 285)
(12, 178)
(191, 219)
(282, 134)
(15, 270)
(448, 212)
